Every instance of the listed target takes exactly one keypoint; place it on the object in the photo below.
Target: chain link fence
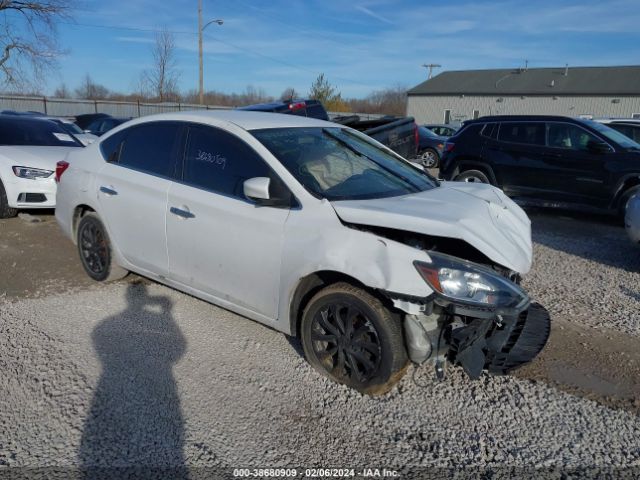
(62, 107)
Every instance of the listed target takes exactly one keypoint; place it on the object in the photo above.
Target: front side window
(151, 147)
(340, 164)
(565, 135)
(522, 132)
(220, 162)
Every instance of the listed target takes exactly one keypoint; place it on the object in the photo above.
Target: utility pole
(200, 29)
(431, 66)
(200, 51)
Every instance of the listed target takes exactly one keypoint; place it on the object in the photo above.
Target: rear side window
(152, 148)
(489, 130)
(220, 162)
(521, 132)
(110, 147)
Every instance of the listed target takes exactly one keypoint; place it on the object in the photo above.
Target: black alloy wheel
(95, 251)
(346, 342)
(349, 336)
(93, 248)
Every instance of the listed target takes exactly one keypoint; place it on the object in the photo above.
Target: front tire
(95, 250)
(626, 197)
(5, 210)
(351, 338)
(472, 176)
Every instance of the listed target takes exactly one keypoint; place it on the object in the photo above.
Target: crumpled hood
(35, 157)
(479, 214)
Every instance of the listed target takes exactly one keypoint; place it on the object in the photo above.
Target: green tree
(326, 93)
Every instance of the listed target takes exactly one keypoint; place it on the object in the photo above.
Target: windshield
(614, 135)
(427, 132)
(71, 127)
(339, 164)
(41, 133)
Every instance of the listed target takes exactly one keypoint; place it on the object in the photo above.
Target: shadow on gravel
(598, 238)
(135, 423)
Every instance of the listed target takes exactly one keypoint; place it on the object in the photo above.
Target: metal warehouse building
(452, 97)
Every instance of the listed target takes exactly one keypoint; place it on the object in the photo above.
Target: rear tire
(350, 337)
(472, 176)
(429, 158)
(95, 250)
(5, 210)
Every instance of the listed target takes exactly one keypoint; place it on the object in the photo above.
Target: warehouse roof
(535, 81)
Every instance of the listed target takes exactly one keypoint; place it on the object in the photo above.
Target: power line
(225, 42)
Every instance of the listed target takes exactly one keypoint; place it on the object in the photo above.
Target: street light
(200, 29)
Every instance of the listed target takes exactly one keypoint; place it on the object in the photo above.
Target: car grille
(32, 198)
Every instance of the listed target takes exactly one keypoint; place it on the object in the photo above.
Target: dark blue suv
(547, 160)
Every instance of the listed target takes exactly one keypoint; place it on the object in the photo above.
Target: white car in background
(313, 229)
(632, 219)
(30, 147)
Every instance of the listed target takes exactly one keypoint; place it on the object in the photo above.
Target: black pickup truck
(399, 134)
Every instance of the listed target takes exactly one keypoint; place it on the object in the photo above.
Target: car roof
(10, 118)
(524, 118)
(248, 120)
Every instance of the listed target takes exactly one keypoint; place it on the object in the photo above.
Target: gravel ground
(587, 270)
(138, 374)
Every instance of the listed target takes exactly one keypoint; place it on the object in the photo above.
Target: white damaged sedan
(315, 230)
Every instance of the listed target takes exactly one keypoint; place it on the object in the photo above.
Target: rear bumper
(26, 193)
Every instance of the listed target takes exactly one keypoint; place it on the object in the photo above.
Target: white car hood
(35, 157)
(479, 214)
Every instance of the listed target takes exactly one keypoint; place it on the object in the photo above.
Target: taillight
(297, 106)
(416, 136)
(61, 166)
(449, 146)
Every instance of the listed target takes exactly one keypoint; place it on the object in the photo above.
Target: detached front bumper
(500, 345)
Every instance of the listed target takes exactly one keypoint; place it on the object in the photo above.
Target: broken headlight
(468, 282)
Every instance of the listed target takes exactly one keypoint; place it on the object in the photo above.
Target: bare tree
(162, 77)
(62, 91)
(90, 90)
(289, 94)
(29, 40)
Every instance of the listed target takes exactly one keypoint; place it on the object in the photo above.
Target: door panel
(226, 247)
(135, 215)
(132, 190)
(218, 241)
(571, 170)
(517, 155)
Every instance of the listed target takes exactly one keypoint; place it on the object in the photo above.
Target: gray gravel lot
(585, 269)
(139, 374)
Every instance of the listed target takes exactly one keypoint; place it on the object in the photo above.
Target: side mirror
(257, 189)
(598, 147)
(87, 131)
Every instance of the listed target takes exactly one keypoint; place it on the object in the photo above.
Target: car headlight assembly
(470, 283)
(31, 173)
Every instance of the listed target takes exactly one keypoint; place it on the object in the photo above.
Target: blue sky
(361, 45)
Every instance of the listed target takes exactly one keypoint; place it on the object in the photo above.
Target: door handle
(182, 212)
(109, 191)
